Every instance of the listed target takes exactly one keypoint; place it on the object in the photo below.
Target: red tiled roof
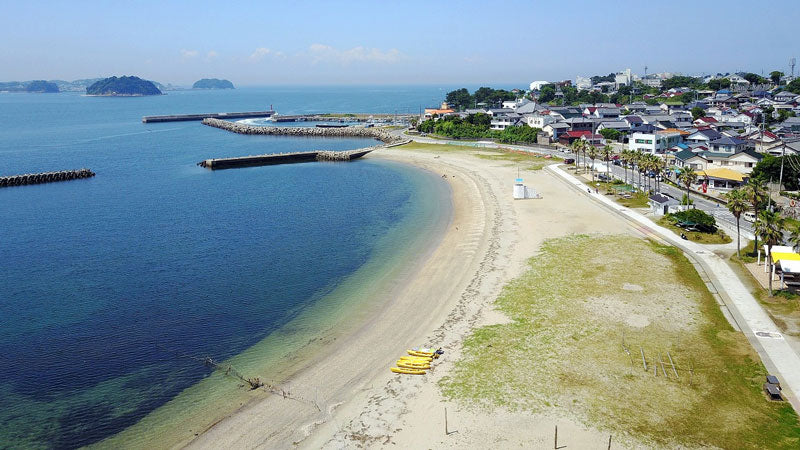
(577, 133)
(708, 119)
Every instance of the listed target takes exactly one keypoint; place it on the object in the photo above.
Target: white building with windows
(654, 143)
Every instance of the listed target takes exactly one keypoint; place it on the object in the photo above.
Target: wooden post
(673, 366)
(609, 442)
(555, 442)
(644, 361)
(446, 430)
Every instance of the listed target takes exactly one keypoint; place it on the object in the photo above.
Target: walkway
(747, 315)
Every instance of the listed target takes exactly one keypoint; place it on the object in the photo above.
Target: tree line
(477, 126)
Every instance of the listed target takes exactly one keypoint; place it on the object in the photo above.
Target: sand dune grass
(582, 302)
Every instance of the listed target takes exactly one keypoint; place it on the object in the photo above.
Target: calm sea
(110, 286)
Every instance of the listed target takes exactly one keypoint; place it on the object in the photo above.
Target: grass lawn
(636, 200)
(586, 299)
(530, 161)
(695, 236)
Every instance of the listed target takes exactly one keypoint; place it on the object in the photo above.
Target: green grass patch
(582, 299)
(719, 237)
(624, 197)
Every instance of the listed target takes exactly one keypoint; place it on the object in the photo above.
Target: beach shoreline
(450, 293)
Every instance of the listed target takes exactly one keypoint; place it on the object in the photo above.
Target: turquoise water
(108, 284)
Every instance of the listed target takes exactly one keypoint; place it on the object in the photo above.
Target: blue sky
(391, 42)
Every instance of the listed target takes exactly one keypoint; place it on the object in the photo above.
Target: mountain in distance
(34, 86)
(41, 86)
(125, 86)
(212, 83)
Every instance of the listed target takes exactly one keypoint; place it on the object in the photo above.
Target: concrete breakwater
(284, 158)
(190, 117)
(373, 132)
(44, 177)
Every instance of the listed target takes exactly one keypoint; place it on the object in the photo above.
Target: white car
(749, 216)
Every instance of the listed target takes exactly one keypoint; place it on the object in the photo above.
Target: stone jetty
(371, 132)
(44, 177)
(387, 139)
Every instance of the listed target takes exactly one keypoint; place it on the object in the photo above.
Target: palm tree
(687, 177)
(577, 150)
(658, 167)
(770, 226)
(737, 205)
(638, 159)
(625, 156)
(593, 152)
(607, 152)
(754, 192)
(794, 238)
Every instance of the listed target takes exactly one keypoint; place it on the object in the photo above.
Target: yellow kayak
(408, 371)
(420, 353)
(411, 365)
(417, 358)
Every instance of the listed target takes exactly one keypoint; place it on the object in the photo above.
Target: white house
(654, 143)
(538, 120)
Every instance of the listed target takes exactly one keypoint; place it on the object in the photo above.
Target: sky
(391, 42)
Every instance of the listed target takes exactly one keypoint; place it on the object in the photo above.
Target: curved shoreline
(283, 357)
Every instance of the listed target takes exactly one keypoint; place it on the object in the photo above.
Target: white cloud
(211, 55)
(262, 52)
(188, 54)
(326, 53)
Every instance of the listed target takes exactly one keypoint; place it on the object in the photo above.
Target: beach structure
(522, 192)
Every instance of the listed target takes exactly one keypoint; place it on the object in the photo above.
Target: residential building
(727, 145)
(655, 143)
(539, 120)
(444, 109)
(502, 121)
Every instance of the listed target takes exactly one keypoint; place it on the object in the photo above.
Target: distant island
(212, 83)
(41, 86)
(123, 87)
(35, 86)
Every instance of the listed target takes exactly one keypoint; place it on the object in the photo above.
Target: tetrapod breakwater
(371, 132)
(44, 177)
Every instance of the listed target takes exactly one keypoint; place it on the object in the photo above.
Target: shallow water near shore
(114, 287)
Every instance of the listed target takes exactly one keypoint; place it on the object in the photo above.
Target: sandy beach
(445, 296)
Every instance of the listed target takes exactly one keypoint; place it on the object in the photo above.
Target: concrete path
(739, 304)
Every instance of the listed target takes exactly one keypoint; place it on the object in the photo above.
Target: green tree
(459, 99)
(775, 76)
(794, 238)
(687, 177)
(607, 152)
(769, 168)
(593, 152)
(547, 93)
(794, 86)
(784, 114)
(719, 83)
(698, 112)
(754, 78)
(769, 227)
(756, 195)
(610, 134)
(737, 205)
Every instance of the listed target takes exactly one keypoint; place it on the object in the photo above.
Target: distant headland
(123, 87)
(212, 83)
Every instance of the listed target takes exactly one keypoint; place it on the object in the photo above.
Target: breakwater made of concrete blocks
(376, 133)
(44, 177)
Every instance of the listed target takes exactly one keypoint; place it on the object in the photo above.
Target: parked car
(749, 216)
(569, 160)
